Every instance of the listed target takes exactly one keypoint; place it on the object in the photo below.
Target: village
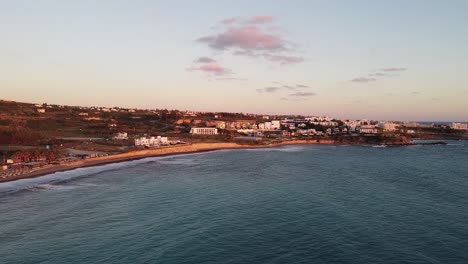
(33, 136)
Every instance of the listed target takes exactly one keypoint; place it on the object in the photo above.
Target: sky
(387, 60)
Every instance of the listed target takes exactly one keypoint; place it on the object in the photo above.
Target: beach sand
(140, 154)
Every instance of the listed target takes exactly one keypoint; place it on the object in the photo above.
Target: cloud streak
(205, 60)
(270, 89)
(382, 72)
(282, 87)
(302, 94)
(393, 69)
(363, 80)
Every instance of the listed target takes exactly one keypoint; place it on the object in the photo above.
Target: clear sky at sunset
(393, 60)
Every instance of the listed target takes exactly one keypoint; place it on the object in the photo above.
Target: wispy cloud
(363, 80)
(229, 21)
(270, 89)
(393, 69)
(205, 60)
(282, 87)
(378, 74)
(282, 59)
(260, 19)
(211, 68)
(302, 94)
(415, 93)
(252, 37)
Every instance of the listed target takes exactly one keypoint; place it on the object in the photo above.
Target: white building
(151, 141)
(388, 126)
(41, 110)
(460, 126)
(368, 129)
(121, 136)
(204, 131)
(275, 124)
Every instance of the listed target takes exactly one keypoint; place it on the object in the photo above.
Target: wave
(64, 176)
(178, 161)
(48, 186)
(278, 149)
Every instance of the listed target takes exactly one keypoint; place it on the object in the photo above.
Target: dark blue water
(300, 204)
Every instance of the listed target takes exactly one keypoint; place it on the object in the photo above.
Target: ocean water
(293, 204)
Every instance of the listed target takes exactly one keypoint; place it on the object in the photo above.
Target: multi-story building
(460, 126)
(151, 141)
(388, 126)
(275, 124)
(204, 131)
(368, 129)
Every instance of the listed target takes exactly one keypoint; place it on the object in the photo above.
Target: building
(151, 141)
(459, 126)
(204, 131)
(388, 126)
(275, 124)
(221, 125)
(368, 129)
(41, 110)
(120, 136)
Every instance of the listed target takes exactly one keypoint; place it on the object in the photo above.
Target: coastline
(159, 152)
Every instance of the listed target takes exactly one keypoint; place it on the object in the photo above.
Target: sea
(290, 204)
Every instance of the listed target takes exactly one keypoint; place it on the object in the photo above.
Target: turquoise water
(294, 204)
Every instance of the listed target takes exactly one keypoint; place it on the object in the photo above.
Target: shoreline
(147, 153)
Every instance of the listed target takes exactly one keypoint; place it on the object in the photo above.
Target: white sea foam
(178, 161)
(279, 149)
(54, 187)
(455, 144)
(31, 183)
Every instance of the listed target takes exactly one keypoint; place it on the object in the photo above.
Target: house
(368, 129)
(275, 124)
(41, 110)
(204, 131)
(120, 136)
(151, 141)
(459, 126)
(388, 126)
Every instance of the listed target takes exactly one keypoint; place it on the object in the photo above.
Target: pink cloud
(250, 37)
(260, 20)
(245, 38)
(230, 20)
(211, 68)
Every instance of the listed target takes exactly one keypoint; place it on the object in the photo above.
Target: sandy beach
(140, 154)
